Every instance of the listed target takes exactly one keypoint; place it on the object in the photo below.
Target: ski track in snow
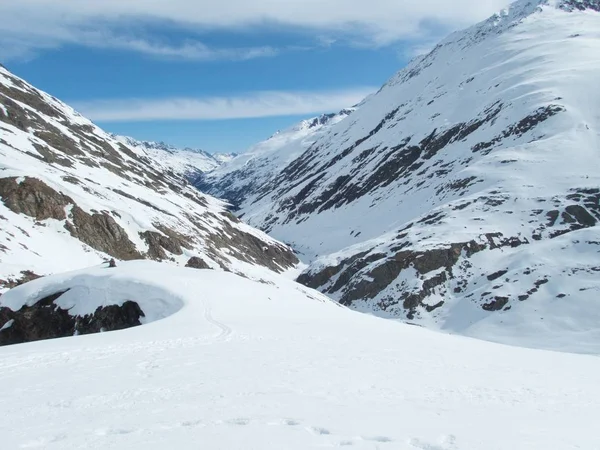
(271, 366)
(224, 331)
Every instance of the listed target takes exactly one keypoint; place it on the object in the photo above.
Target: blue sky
(218, 75)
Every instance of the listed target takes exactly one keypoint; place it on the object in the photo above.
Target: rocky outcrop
(33, 198)
(581, 5)
(249, 248)
(158, 243)
(101, 232)
(364, 276)
(197, 263)
(46, 320)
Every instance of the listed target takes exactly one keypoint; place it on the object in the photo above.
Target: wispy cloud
(188, 50)
(252, 105)
(39, 24)
(26, 45)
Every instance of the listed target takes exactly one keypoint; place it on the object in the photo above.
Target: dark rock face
(197, 263)
(36, 199)
(497, 304)
(247, 247)
(158, 243)
(33, 198)
(371, 283)
(46, 320)
(165, 240)
(103, 233)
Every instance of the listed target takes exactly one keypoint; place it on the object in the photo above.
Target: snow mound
(159, 289)
(93, 288)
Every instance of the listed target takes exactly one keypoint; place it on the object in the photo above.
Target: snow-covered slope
(71, 196)
(465, 193)
(187, 162)
(245, 175)
(271, 366)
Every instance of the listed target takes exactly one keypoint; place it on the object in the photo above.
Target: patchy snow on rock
(72, 195)
(186, 162)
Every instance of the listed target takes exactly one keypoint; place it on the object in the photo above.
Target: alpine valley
(463, 195)
(352, 281)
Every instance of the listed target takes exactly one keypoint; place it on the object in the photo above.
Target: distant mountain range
(188, 162)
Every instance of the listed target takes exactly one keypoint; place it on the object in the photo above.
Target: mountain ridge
(73, 196)
(431, 203)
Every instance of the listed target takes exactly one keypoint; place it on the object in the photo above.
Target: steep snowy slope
(71, 196)
(465, 193)
(187, 162)
(245, 175)
(271, 366)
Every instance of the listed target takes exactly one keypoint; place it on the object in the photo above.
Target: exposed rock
(497, 275)
(497, 304)
(26, 276)
(196, 262)
(158, 243)
(247, 247)
(46, 320)
(33, 198)
(103, 233)
(386, 271)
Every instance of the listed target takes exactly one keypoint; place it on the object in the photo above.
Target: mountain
(187, 162)
(236, 364)
(463, 195)
(72, 195)
(245, 175)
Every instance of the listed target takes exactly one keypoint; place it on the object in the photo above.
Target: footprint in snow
(445, 443)
(239, 421)
(381, 439)
(318, 431)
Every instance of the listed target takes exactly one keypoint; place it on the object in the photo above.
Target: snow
(248, 172)
(532, 55)
(7, 325)
(90, 289)
(523, 66)
(184, 161)
(128, 192)
(272, 365)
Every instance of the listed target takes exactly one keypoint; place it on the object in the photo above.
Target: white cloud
(252, 105)
(16, 44)
(43, 23)
(188, 50)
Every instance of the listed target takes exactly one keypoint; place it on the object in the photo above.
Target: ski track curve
(225, 332)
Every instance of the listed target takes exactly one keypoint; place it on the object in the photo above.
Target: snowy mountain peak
(188, 162)
(314, 123)
(499, 23)
(246, 174)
